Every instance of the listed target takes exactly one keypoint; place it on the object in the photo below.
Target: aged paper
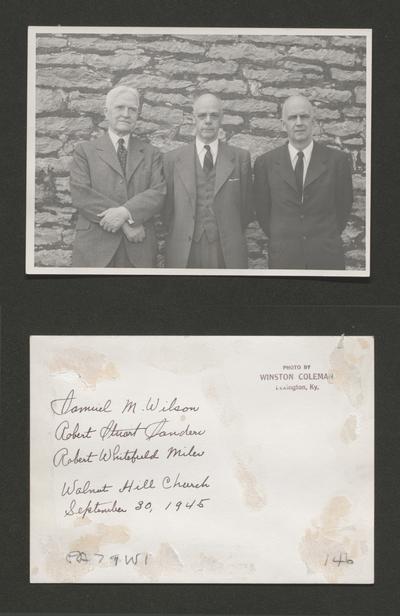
(202, 459)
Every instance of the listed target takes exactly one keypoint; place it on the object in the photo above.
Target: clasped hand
(113, 218)
(134, 234)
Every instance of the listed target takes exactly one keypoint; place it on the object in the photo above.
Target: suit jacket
(98, 183)
(233, 203)
(304, 235)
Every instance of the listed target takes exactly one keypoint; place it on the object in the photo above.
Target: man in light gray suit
(117, 185)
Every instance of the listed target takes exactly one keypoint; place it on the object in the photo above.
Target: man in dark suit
(209, 196)
(117, 185)
(303, 194)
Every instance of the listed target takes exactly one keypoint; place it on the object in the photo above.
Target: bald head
(297, 119)
(207, 99)
(207, 115)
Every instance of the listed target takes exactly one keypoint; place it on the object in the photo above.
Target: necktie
(298, 172)
(208, 160)
(122, 154)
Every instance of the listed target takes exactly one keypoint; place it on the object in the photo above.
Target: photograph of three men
(190, 151)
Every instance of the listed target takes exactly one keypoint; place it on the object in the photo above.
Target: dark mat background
(198, 305)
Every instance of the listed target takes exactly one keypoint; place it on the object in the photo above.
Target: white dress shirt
(201, 151)
(115, 138)
(306, 160)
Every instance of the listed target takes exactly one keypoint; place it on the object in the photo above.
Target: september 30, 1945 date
(199, 503)
(106, 507)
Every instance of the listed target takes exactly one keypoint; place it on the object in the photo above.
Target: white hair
(121, 90)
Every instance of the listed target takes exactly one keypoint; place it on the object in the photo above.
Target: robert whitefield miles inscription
(203, 459)
(147, 437)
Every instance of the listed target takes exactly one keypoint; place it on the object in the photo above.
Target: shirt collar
(307, 153)
(115, 138)
(213, 147)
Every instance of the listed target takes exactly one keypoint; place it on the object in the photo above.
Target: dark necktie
(122, 153)
(208, 160)
(298, 172)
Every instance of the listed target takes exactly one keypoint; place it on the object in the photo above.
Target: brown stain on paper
(349, 431)
(345, 362)
(186, 357)
(210, 564)
(90, 366)
(329, 536)
(219, 394)
(165, 562)
(253, 495)
(92, 542)
(58, 569)
(82, 522)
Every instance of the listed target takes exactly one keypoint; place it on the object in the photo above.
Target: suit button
(121, 181)
(304, 237)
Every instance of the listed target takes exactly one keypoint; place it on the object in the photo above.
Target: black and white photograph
(195, 151)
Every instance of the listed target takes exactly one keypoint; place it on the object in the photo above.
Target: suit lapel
(185, 166)
(135, 155)
(225, 164)
(317, 165)
(285, 168)
(107, 152)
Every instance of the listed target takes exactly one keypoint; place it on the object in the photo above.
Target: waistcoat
(205, 217)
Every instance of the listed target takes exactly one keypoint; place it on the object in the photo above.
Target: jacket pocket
(83, 224)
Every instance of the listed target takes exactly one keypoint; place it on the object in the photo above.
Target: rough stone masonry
(251, 74)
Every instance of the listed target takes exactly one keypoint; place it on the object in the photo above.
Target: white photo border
(32, 269)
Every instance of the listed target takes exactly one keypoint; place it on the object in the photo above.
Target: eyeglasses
(300, 116)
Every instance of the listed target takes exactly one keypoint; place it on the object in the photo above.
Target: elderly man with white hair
(117, 185)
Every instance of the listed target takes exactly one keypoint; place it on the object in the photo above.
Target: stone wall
(252, 74)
